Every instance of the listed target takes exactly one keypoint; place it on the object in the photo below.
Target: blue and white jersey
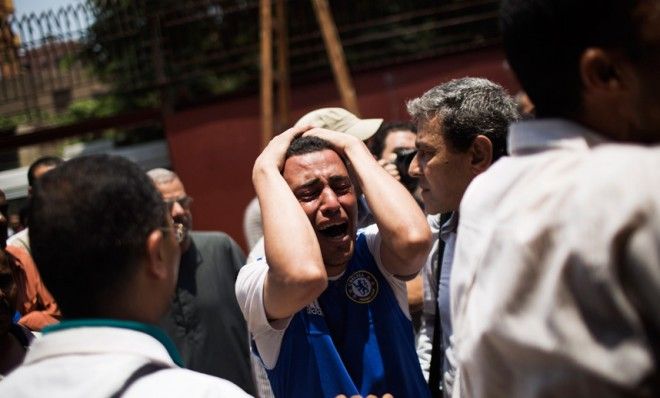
(356, 338)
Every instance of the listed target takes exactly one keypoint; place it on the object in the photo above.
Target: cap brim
(364, 128)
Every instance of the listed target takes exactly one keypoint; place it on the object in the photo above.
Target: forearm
(415, 294)
(37, 320)
(405, 233)
(296, 272)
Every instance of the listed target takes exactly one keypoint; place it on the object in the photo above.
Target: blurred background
(198, 86)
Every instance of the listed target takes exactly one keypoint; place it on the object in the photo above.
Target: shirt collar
(107, 335)
(531, 136)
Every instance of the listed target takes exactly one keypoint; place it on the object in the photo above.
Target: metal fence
(141, 53)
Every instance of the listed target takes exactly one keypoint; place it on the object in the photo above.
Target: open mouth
(334, 231)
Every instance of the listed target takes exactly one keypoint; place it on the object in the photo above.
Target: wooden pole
(266, 39)
(336, 55)
(284, 85)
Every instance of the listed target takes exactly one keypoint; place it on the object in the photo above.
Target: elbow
(307, 283)
(315, 283)
(419, 243)
(415, 250)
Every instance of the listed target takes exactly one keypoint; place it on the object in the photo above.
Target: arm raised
(296, 274)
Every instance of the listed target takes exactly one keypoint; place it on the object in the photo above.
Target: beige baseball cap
(339, 119)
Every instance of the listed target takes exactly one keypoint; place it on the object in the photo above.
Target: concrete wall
(213, 148)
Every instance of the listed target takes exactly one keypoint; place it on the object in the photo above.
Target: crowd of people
(491, 246)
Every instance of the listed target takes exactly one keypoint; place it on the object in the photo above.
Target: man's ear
(481, 154)
(608, 81)
(599, 72)
(156, 266)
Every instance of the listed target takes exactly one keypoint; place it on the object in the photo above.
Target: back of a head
(49, 161)
(544, 40)
(468, 107)
(91, 219)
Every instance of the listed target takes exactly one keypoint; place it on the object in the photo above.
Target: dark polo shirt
(205, 321)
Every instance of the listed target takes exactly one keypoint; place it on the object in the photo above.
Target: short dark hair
(307, 144)
(544, 40)
(377, 143)
(91, 219)
(466, 108)
(43, 161)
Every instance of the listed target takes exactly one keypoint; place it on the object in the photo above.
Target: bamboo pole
(284, 85)
(336, 55)
(266, 40)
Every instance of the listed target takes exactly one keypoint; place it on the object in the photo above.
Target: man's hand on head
(340, 141)
(274, 153)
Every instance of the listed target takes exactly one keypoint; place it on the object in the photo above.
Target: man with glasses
(107, 249)
(204, 320)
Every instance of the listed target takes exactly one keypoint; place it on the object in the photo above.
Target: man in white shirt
(556, 278)
(108, 250)
(462, 126)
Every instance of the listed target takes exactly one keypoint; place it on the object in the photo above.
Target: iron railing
(141, 53)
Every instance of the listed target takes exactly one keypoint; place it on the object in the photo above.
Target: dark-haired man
(328, 311)
(462, 126)
(37, 169)
(109, 252)
(390, 139)
(204, 320)
(556, 278)
(36, 305)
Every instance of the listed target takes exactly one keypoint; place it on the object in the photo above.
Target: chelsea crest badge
(361, 287)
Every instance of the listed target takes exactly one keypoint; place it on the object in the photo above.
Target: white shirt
(257, 252)
(20, 239)
(446, 232)
(430, 291)
(268, 336)
(97, 361)
(557, 261)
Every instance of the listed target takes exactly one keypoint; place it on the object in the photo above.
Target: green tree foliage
(173, 51)
(166, 52)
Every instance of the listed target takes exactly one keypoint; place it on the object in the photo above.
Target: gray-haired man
(462, 128)
(204, 320)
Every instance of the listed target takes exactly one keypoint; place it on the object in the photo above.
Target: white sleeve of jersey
(250, 296)
(373, 238)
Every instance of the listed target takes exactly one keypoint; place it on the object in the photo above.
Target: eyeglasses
(179, 231)
(184, 202)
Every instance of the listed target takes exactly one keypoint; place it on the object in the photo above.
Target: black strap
(144, 370)
(437, 352)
